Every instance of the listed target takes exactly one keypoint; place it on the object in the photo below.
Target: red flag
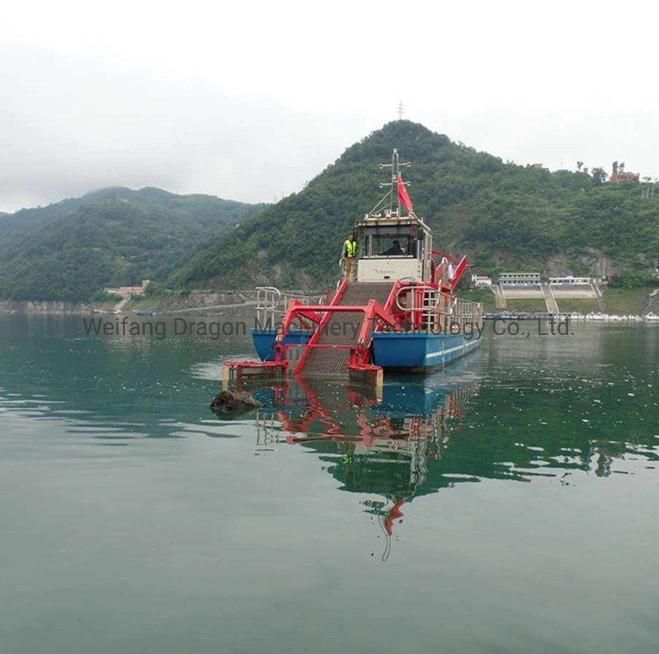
(403, 195)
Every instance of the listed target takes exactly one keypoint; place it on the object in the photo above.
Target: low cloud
(71, 126)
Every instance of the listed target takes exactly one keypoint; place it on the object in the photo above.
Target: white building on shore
(481, 281)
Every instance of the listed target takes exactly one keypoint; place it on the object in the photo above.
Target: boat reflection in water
(385, 448)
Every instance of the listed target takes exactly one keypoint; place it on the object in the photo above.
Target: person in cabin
(395, 250)
(349, 257)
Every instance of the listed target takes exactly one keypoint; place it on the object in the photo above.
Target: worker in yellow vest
(349, 258)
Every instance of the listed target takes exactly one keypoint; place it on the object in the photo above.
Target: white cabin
(392, 248)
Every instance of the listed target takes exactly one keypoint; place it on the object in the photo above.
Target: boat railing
(268, 300)
(435, 311)
(466, 312)
(271, 304)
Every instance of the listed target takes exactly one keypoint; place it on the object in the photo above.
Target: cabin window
(391, 242)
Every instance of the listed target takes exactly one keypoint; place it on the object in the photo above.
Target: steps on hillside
(121, 304)
(550, 300)
(598, 293)
(499, 296)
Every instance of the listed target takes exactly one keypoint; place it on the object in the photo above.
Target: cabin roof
(390, 221)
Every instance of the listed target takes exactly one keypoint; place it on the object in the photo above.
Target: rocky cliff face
(591, 262)
(42, 307)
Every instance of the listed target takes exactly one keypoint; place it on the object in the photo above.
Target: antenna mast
(395, 165)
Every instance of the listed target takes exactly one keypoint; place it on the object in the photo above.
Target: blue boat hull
(264, 341)
(402, 351)
(418, 351)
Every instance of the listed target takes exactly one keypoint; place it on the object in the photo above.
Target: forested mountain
(116, 236)
(502, 214)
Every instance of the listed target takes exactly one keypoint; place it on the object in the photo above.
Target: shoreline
(44, 308)
(616, 302)
(177, 303)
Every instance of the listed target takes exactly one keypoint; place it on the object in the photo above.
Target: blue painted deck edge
(264, 341)
(391, 350)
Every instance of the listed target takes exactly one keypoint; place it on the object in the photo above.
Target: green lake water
(507, 504)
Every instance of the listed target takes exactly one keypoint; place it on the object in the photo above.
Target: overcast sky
(249, 100)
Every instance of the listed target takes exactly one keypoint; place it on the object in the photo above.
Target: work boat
(398, 312)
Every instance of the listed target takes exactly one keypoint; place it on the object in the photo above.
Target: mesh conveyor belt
(343, 329)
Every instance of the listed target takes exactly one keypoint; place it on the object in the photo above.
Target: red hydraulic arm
(460, 270)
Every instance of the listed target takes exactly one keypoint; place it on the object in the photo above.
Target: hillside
(72, 249)
(502, 214)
